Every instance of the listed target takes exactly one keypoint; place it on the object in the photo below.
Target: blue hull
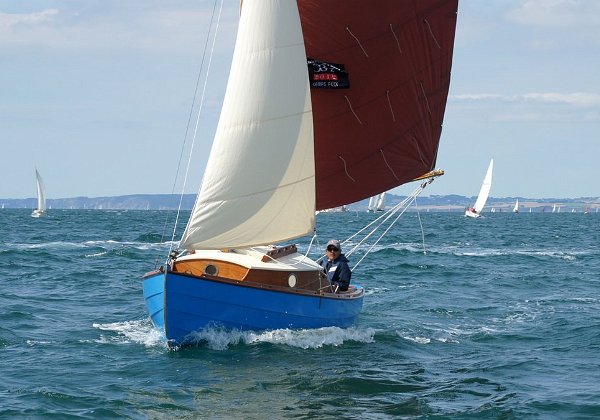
(182, 304)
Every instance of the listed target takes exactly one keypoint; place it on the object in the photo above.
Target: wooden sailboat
(484, 192)
(327, 103)
(41, 196)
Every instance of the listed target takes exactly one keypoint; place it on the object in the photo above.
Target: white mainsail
(484, 192)
(41, 192)
(372, 202)
(381, 202)
(259, 184)
(41, 196)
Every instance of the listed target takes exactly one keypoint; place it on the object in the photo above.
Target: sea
(490, 318)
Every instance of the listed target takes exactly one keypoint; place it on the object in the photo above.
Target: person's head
(334, 249)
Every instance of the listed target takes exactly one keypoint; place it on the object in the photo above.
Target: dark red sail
(379, 89)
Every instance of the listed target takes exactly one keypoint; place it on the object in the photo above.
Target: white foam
(140, 332)
(220, 339)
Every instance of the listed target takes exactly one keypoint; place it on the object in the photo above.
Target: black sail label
(323, 75)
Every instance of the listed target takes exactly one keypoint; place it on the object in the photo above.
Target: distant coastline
(435, 202)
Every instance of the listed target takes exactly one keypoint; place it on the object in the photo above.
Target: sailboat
(484, 192)
(319, 112)
(41, 197)
(516, 207)
(377, 203)
(381, 202)
(372, 204)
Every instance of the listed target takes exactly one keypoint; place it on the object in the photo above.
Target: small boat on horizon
(484, 192)
(41, 196)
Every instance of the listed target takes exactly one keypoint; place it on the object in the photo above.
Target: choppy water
(498, 319)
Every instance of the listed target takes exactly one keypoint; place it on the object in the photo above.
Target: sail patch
(324, 75)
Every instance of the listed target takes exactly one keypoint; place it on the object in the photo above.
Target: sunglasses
(332, 248)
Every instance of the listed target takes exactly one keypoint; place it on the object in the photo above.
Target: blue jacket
(338, 272)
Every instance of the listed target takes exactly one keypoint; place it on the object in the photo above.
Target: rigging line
(385, 216)
(187, 128)
(357, 41)
(198, 119)
(372, 232)
(305, 256)
(421, 224)
(413, 197)
(380, 237)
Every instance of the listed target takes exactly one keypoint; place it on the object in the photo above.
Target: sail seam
(357, 41)
(278, 187)
(388, 165)
(352, 109)
(431, 33)
(346, 168)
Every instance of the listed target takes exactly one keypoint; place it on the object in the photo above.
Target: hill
(171, 202)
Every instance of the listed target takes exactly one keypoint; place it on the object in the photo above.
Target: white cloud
(580, 99)
(8, 21)
(155, 27)
(557, 13)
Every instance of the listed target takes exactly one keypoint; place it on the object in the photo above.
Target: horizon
(491, 197)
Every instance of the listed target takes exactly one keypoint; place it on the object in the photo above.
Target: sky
(97, 95)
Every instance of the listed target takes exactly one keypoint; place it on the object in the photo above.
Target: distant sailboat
(376, 203)
(484, 192)
(516, 208)
(381, 202)
(41, 197)
(554, 208)
(372, 204)
(339, 209)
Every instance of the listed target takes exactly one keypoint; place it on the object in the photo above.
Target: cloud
(579, 99)
(9, 21)
(556, 13)
(152, 26)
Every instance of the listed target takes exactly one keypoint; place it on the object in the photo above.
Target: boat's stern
(154, 295)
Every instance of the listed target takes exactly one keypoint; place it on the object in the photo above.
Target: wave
(216, 338)
(138, 331)
(107, 244)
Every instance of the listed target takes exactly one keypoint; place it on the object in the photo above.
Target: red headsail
(383, 129)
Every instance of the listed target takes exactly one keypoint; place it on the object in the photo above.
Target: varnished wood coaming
(307, 282)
